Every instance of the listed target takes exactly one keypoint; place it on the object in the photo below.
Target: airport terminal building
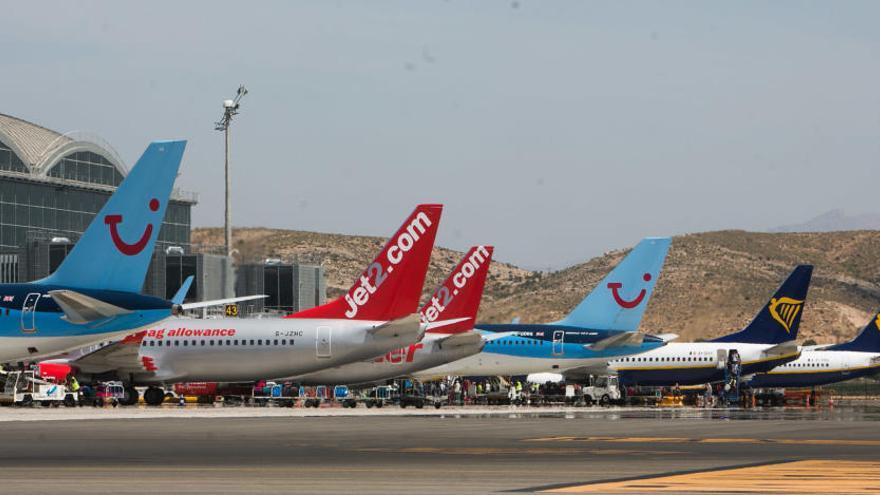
(51, 187)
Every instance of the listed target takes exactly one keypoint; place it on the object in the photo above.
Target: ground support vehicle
(602, 390)
(23, 388)
(110, 393)
(277, 394)
(345, 396)
(378, 396)
(313, 396)
(419, 400)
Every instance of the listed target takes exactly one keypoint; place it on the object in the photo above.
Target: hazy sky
(554, 130)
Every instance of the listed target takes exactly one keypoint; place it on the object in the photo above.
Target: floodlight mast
(230, 109)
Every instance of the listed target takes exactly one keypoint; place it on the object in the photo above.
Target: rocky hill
(712, 283)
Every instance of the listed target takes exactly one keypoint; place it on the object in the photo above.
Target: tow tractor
(603, 390)
(23, 388)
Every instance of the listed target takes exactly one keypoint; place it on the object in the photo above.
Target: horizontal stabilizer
(436, 325)
(462, 339)
(180, 295)
(407, 325)
(489, 337)
(783, 349)
(620, 340)
(80, 309)
(667, 337)
(221, 302)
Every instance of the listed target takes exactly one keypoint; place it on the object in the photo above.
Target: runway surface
(586, 451)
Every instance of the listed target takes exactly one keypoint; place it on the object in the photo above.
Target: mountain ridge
(713, 282)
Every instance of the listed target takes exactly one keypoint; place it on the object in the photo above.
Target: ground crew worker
(74, 386)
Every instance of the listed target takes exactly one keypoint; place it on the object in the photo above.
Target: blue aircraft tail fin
(115, 250)
(779, 320)
(620, 299)
(867, 341)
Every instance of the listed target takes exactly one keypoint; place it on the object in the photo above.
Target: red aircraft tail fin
(391, 285)
(453, 307)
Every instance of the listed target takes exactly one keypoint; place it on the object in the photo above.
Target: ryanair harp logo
(785, 310)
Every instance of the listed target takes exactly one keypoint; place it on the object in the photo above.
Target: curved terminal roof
(28, 140)
(41, 149)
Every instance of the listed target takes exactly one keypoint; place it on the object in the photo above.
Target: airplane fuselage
(241, 350)
(694, 363)
(819, 367)
(32, 325)
(537, 349)
(404, 361)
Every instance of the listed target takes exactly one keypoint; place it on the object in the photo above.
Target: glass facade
(177, 269)
(35, 209)
(85, 166)
(66, 212)
(9, 161)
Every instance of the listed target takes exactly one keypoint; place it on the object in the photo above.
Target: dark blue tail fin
(115, 250)
(778, 321)
(867, 341)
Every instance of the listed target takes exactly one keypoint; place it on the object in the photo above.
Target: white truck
(24, 388)
(603, 390)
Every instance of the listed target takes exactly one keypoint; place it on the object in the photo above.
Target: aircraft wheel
(605, 400)
(131, 396)
(154, 396)
(379, 404)
(69, 401)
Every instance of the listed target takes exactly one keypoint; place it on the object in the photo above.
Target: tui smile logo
(125, 248)
(632, 303)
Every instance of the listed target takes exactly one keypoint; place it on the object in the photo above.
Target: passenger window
(235, 342)
(203, 342)
(212, 342)
(252, 341)
(228, 342)
(283, 341)
(275, 342)
(176, 343)
(259, 341)
(219, 342)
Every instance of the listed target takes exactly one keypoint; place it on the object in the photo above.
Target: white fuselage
(404, 361)
(694, 363)
(819, 367)
(241, 350)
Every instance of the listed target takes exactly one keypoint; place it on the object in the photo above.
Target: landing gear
(131, 396)
(154, 396)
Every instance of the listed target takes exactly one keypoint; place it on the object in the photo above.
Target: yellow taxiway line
(781, 441)
(799, 477)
